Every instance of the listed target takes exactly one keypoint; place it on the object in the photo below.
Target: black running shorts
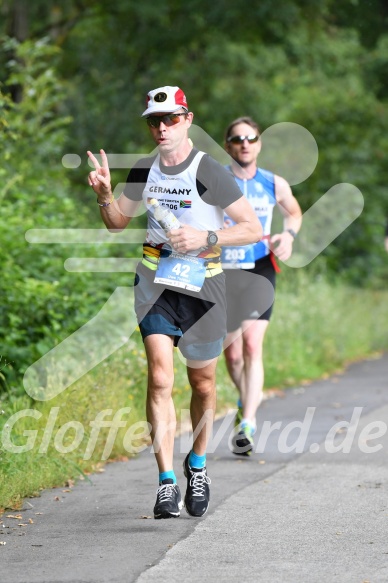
(250, 293)
(196, 320)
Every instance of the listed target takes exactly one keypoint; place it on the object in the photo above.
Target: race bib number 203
(238, 257)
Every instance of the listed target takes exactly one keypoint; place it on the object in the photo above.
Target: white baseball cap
(165, 99)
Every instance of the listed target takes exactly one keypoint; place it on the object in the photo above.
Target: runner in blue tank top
(250, 274)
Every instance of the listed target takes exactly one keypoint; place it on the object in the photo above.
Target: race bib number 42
(184, 271)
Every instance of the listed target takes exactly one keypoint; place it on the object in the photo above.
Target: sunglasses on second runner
(169, 119)
(252, 138)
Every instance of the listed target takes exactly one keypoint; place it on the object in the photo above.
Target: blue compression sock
(197, 461)
(239, 404)
(167, 476)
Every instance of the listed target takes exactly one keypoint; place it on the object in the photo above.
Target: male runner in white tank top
(197, 190)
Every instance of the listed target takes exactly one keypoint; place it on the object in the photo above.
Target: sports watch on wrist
(292, 233)
(211, 238)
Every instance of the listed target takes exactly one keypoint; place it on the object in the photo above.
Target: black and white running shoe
(242, 441)
(198, 492)
(168, 500)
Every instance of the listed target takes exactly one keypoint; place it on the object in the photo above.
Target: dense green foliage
(74, 76)
(41, 302)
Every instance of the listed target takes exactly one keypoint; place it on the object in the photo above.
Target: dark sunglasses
(252, 138)
(169, 119)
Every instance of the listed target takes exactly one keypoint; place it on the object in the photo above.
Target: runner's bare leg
(203, 401)
(160, 407)
(244, 360)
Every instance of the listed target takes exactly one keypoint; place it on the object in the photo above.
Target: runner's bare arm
(246, 230)
(282, 243)
(288, 205)
(118, 212)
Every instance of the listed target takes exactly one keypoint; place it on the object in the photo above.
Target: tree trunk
(19, 30)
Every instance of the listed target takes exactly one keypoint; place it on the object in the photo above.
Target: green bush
(41, 302)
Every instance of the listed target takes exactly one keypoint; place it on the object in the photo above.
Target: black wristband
(292, 233)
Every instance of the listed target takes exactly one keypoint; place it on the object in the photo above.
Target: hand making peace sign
(99, 179)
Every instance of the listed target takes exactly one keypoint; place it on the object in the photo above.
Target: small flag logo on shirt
(185, 204)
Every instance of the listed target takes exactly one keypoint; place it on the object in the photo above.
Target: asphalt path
(309, 505)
